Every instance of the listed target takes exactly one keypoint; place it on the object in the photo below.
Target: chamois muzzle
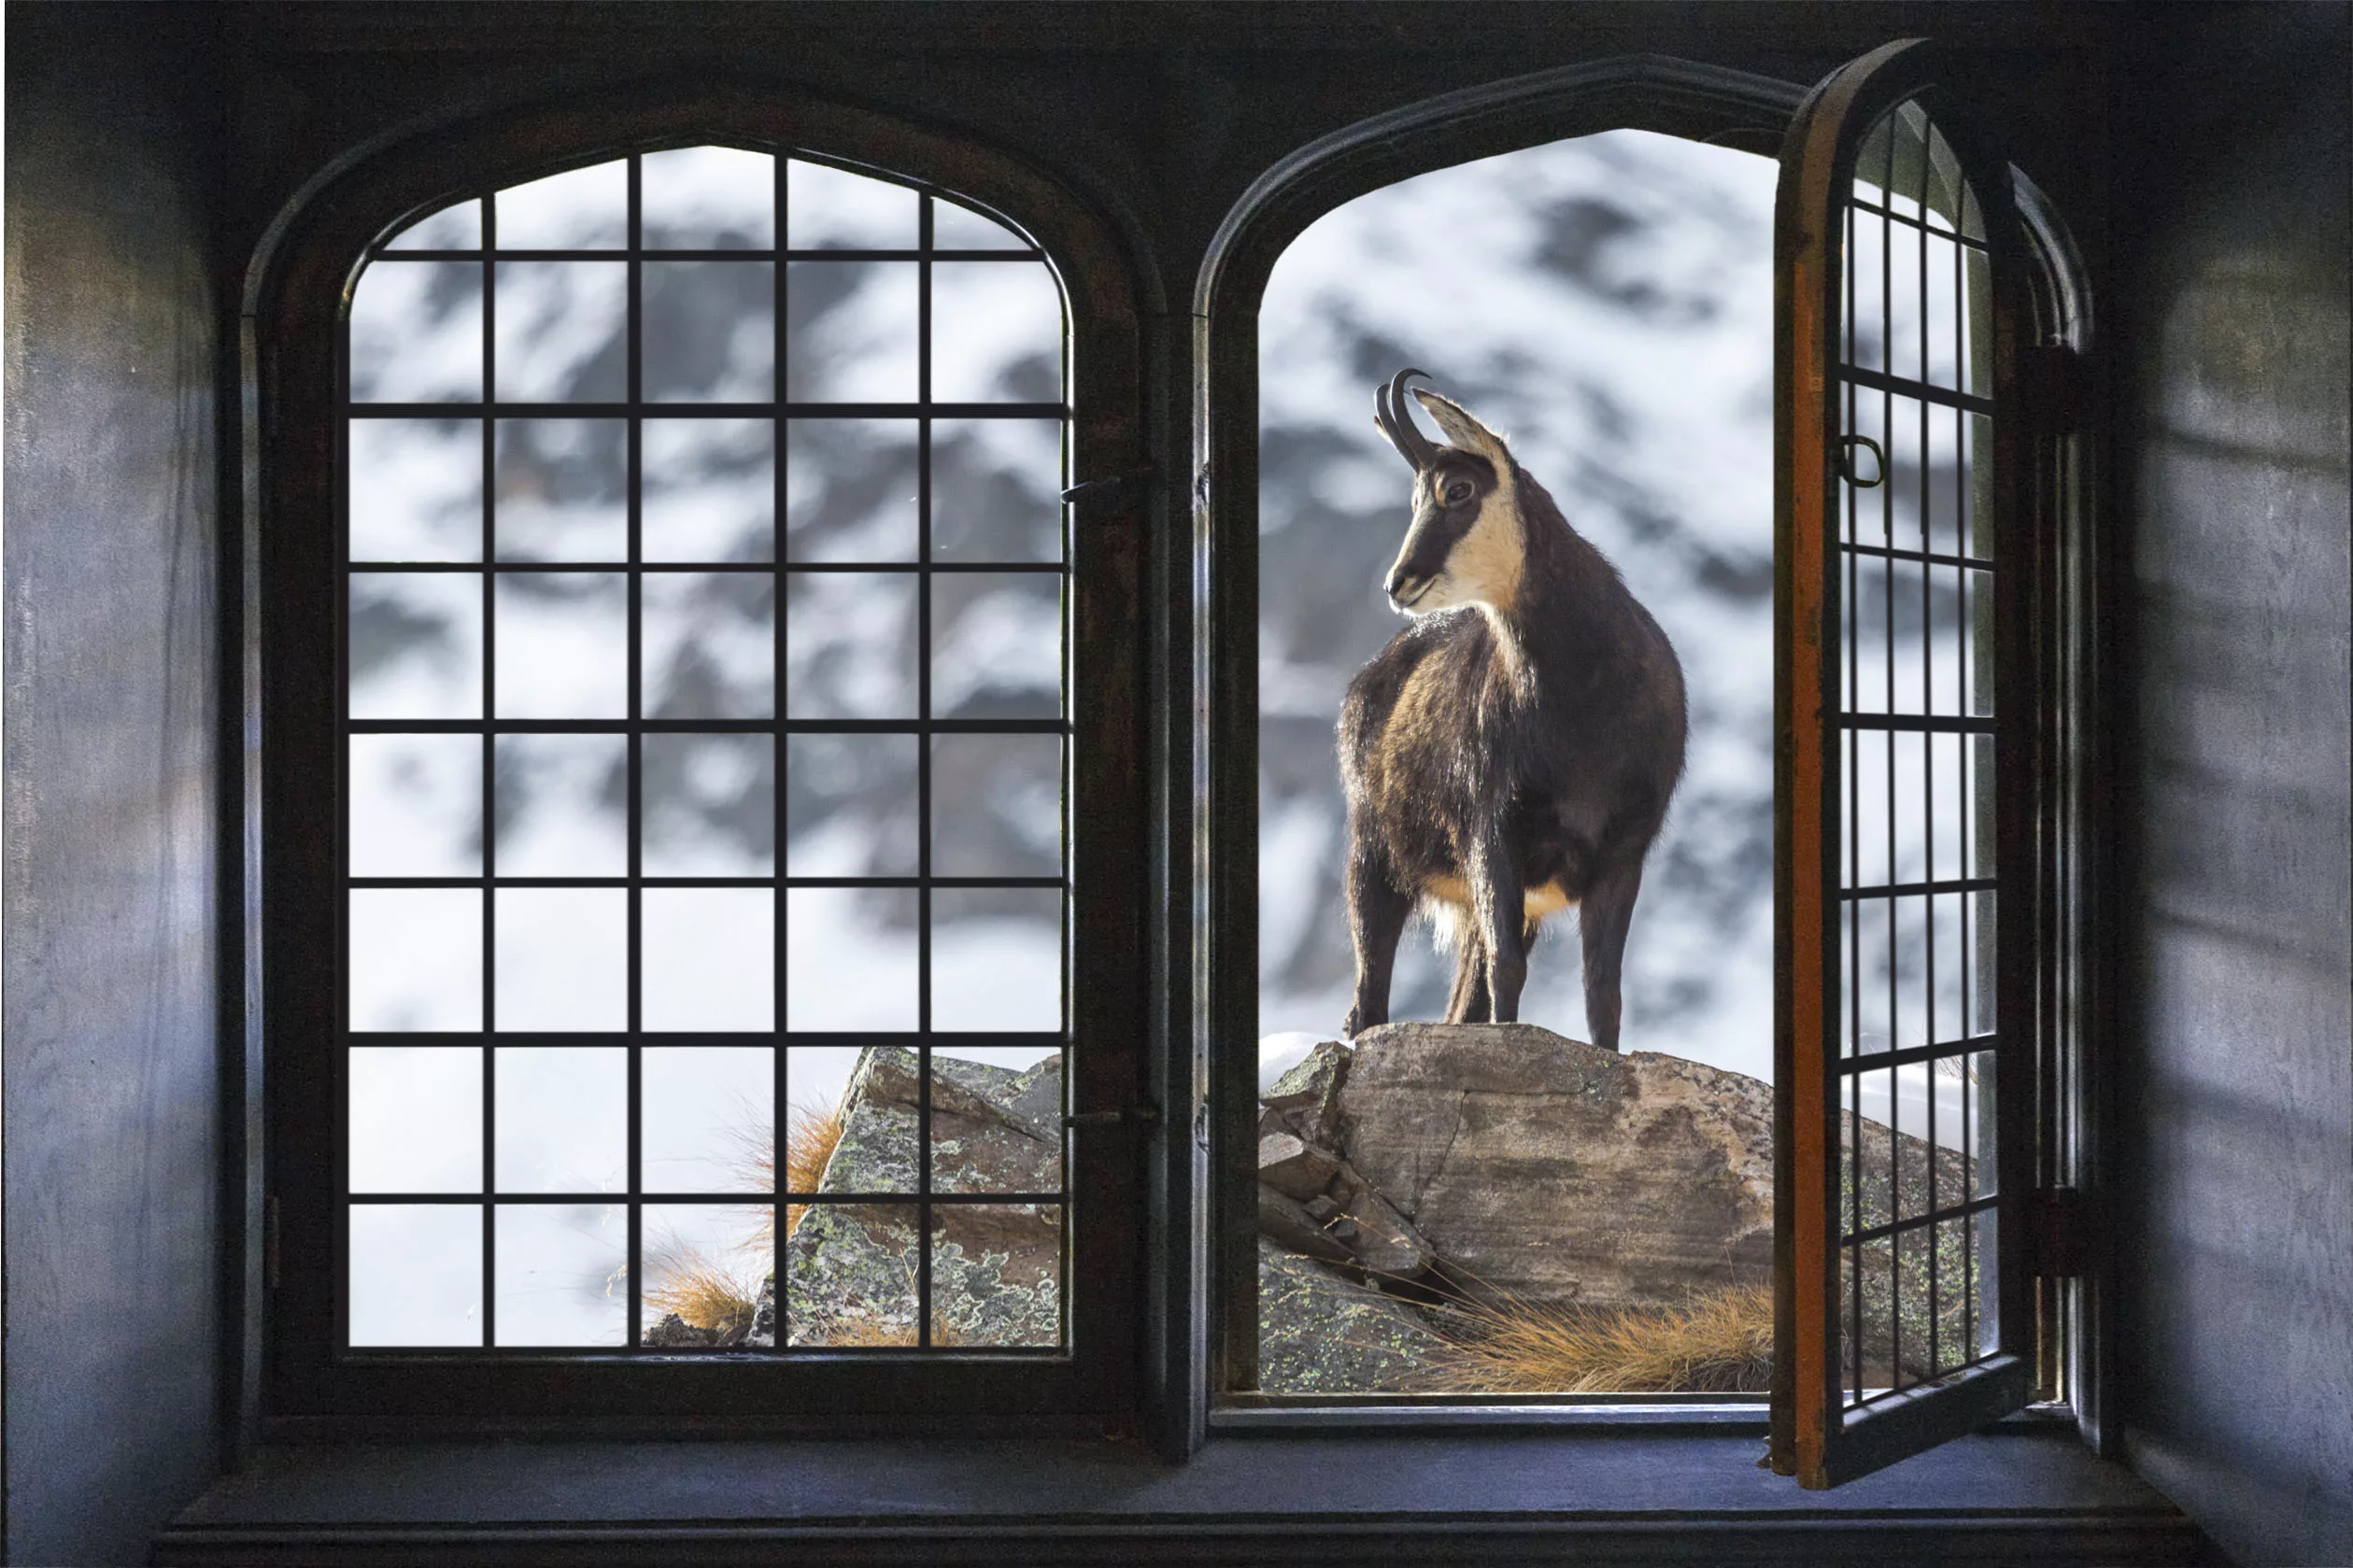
(1395, 420)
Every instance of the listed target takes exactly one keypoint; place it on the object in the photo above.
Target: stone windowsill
(1297, 1497)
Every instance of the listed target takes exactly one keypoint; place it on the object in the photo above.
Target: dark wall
(113, 1148)
(2236, 1099)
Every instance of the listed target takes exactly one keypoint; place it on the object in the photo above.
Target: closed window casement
(689, 694)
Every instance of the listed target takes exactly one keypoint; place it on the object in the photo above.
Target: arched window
(1945, 447)
(708, 834)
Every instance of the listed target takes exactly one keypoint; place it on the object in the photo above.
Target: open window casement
(1904, 1030)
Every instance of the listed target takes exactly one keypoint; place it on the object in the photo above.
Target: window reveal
(707, 737)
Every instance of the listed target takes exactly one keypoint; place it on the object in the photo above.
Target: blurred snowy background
(1606, 303)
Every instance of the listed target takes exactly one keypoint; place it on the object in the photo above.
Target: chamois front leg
(1606, 913)
(1377, 913)
(1498, 914)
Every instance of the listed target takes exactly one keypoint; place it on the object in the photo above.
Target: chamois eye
(1458, 492)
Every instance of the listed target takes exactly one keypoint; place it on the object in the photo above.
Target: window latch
(1108, 488)
(1144, 1115)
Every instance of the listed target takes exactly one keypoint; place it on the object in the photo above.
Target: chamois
(1513, 751)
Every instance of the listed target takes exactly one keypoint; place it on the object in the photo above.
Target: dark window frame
(298, 1384)
(1723, 107)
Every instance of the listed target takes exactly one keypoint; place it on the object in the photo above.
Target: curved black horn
(1396, 418)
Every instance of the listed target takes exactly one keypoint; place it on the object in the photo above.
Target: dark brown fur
(1501, 774)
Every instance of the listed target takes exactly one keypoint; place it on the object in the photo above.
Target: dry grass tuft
(700, 1292)
(1721, 1343)
(810, 1138)
(865, 1333)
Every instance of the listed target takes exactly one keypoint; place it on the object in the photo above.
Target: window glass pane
(562, 645)
(996, 332)
(850, 644)
(710, 805)
(878, 1102)
(398, 1092)
(562, 488)
(852, 489)
(850, 1272)
(850, 958)
(709, 333)
(996, 645)
(562, 959)
(996, 1275)
(416, 805)
(850, 805)
(995, 491)
(416, 1274)
(852, 332)
(416, 646)
(707, 1124)
(708, 198)
(996, 805)
(833, 209)
(562, 332)
(416, 489)
(709, 959)
(562, 805)
(453, 227)
(957, 228)
(416, 332)
(709, 644)
(563, 1119)
(563, 1274)
(997, 959)
(415, 959)
(708, 1275)
(710, 490)
(581, 209)
(996, 1124)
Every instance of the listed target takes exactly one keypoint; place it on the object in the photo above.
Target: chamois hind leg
(1468, 1002)
(1499, 916)
(1607, 911)
(1377, 913)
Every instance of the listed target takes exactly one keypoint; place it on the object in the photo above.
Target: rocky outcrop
(1319, 1333)
(851, 1269)
(1556, 1172)
(1504, 1165)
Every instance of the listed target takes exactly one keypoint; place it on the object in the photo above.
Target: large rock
(1321, 1333)
(1551, 1170)
(992, 1130)
(851, 1269)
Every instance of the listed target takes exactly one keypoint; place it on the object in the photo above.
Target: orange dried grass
(1720, 1342)
(701, 1293)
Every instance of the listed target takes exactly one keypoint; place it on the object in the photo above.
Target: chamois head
(1465, 545)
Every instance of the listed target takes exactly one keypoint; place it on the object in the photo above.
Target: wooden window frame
(300, 1384)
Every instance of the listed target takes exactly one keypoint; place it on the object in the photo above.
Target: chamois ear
(1465, 431)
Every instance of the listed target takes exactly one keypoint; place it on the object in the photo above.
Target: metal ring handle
(1847, 443)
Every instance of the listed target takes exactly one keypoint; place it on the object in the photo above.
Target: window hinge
(2058, 1232)
(270, 1248)
(2052, 377)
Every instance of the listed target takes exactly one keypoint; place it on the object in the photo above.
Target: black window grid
(1958, 1194)
(924, 1202)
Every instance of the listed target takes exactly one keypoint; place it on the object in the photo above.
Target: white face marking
(1484, 566)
